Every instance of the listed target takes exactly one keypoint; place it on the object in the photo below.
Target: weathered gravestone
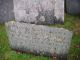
(39, 39)
(6, 10)
(73, 6)
(39, 11)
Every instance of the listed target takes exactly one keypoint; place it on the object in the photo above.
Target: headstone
(39, 11)
(38, 38)
(73, 6)
(6, 10)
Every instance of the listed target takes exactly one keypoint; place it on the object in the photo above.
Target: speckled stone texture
(73, 6)
(6, 10)
(39, 11)
(38, 38)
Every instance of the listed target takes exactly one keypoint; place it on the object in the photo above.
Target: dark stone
(73, 6)
(6, 10)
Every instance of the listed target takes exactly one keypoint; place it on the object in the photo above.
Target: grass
(71, 23)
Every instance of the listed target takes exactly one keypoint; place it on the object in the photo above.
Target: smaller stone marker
(38, 39)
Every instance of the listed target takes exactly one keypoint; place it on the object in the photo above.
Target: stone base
(38, 38)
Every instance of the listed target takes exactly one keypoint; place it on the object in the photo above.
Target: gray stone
(59, 9)
(39, 11)
(38, 38)
(73, 6)
(6, 10)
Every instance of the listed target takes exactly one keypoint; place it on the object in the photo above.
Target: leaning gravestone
(25, 35)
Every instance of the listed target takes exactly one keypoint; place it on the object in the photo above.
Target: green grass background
(71, 22)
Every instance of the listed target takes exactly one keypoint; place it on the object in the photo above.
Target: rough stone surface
(73, 6)
(38, 38)
(6, 10)
(39, 11)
